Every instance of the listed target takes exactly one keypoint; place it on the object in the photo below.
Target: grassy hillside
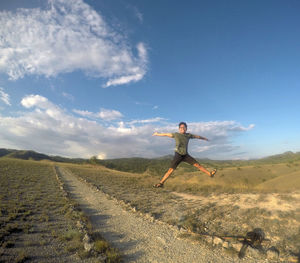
(285, 182)
(251, 178)
(282, 158)
(160, 165)
(5, 152)
(28, 155)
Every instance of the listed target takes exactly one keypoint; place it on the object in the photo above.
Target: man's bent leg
(176, 160)
(202, 169)
(168, 173)
(189, 159)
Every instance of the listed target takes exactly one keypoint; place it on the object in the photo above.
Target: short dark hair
(182, 123)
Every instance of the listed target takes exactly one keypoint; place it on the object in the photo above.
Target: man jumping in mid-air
(181, 155)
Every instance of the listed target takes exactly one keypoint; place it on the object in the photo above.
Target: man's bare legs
(202, 169)
(171, 170)
(168, 173)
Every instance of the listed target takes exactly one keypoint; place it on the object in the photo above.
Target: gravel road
(139, 239)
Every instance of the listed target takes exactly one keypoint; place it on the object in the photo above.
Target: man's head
(182, 127)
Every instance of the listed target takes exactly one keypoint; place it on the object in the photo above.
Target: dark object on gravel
(253, 239)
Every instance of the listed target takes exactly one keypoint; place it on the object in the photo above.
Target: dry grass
(265, 178)
(101, 246)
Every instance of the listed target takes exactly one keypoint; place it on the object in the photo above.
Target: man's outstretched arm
(163, 134)
(200, 137)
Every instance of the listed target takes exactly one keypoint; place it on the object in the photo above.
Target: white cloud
(47, 128)
(68, 36)
(123, 80)
(85, 113)
(4, 97)
(157, 119)
(35, 100)
(109, 115)
(104, 114)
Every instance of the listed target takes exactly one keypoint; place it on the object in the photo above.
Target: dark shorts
(178, 158)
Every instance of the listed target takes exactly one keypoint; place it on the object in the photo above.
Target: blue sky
(84, 78)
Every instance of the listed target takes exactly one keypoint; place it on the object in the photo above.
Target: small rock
(88, 246)
(237, 246)
(226, 244)
(149, 217)
(182, 230)
(217, 241)
(86, 238)
(87, 242)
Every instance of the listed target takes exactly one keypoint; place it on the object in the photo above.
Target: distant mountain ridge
(29, 154)
(32, 155)
(141, 165)
(284, 157)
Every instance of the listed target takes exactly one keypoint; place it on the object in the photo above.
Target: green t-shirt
(182, 141)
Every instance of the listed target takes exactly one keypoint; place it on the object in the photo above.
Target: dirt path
(137, 238)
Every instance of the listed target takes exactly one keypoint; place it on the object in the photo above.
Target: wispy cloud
(152, 120)
(45, 127)
(68, 96)
(68, 36)
(85, 113)
(154, 107)
(136, 73)
(138, 14)
(4, 97)
(104, 114)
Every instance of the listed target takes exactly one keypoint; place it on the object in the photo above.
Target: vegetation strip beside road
(38, 220)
